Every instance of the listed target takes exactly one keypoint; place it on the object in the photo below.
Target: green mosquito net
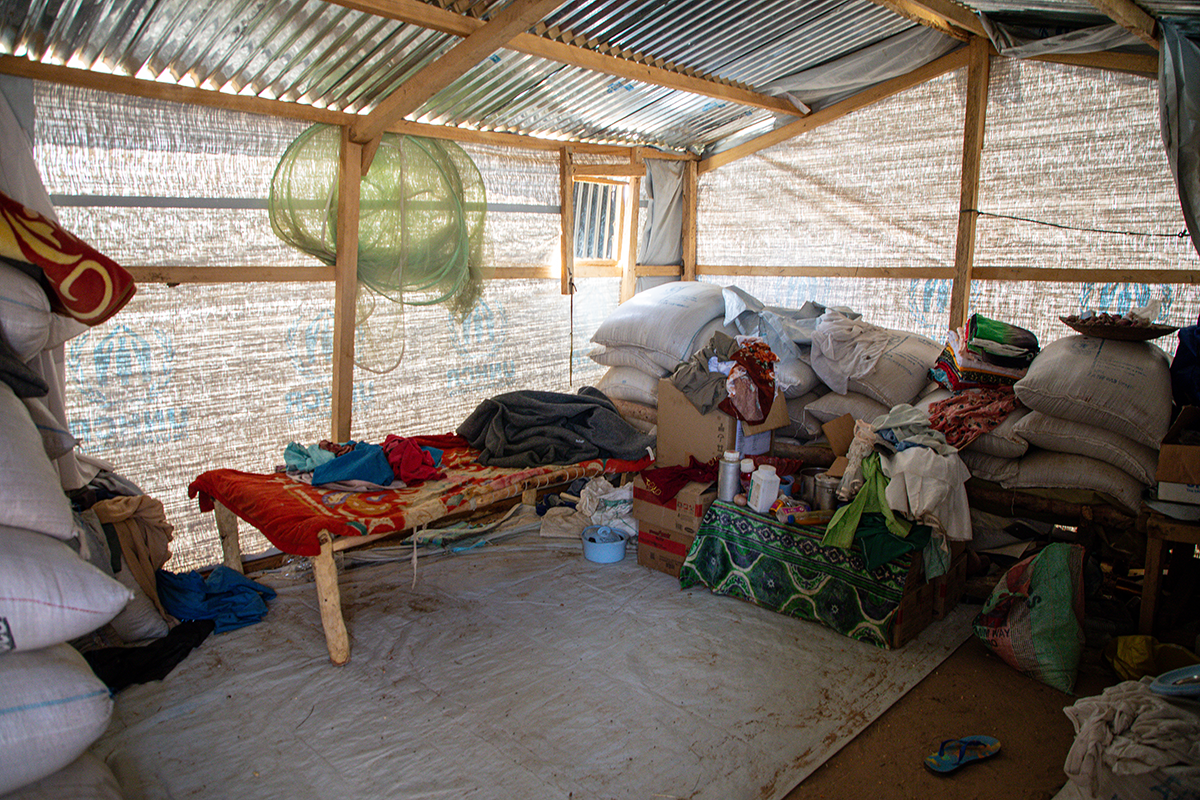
(420, 234)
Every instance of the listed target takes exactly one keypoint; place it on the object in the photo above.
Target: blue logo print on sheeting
(479, 340)
(928, 302)
(310, 347)
(125, 378)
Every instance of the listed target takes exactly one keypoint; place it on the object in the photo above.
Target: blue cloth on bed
(306, 459)
(366, 462)
(227, 597)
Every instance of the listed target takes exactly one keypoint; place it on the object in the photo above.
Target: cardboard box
(916, 606)
(1179, 492)
(1179, 455)
(664, 551)
(1179, 459)
(680, 514)
(683, 431)
(839, 432)
(914, 614)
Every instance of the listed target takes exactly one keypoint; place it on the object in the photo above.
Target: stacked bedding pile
(650, 335)
(1083, 414)
(1099, 410)
(868, 370)
(1088, 415)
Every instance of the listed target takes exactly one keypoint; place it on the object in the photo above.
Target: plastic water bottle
(729, 476)
(764, 488)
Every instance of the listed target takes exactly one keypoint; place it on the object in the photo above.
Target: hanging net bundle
(420, 231)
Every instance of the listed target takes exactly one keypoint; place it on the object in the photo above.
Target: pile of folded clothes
(985, 352)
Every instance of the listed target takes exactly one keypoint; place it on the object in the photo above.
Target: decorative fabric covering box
(785, 568)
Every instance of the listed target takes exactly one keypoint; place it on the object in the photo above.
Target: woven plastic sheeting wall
(1079, 148)
(880, 188)
(198, 377)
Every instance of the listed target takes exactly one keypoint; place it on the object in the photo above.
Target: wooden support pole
(964, 251)
(227, 529)
(345, 291)
(566, 189)
(629, 241)
(329, 598)
(691, 185)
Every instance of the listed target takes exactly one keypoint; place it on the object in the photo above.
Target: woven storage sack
(1034, 617)
(51, 709)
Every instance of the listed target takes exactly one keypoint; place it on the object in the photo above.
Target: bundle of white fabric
(1131, 742)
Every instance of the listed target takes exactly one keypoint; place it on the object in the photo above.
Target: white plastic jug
(764, 488)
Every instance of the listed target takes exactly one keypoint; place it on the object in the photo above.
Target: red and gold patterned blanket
(87, 284)
(291, 514)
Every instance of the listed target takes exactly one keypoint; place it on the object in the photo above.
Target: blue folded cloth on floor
(228, 598)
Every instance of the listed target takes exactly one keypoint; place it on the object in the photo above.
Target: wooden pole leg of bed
(227, 529)
(330, 600)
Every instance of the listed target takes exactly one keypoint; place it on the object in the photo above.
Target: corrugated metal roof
(330, 56)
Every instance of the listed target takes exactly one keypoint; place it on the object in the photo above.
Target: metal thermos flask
(729, 476)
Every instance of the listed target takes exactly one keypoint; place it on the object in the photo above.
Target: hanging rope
(1181, 235)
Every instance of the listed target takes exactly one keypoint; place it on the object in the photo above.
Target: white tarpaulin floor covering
(515, 670)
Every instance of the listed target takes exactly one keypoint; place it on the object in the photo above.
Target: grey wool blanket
(534, 428)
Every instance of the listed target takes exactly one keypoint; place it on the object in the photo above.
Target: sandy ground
(972, 692)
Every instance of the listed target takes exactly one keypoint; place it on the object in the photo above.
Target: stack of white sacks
(1092, 413)
(1096, 411)
(647, 337)
(865, 370)
(52, 706)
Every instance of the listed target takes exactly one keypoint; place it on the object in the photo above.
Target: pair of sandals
(955, 754)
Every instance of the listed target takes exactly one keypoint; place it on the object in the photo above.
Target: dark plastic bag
(1185, 368)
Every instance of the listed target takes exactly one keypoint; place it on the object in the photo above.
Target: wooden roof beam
(923, 16)
(1132, 63)
(1130, 16)
(516, 18)
(940, 14)
(415, 12)
(172, 93)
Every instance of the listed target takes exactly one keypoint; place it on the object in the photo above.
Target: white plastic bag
(609, 506)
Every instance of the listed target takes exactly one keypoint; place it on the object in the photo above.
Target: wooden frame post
(345, 291)
(566, 190)
(691, 185)
(629, 233)
(964, 251)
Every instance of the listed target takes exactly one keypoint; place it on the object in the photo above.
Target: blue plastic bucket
(603, 544)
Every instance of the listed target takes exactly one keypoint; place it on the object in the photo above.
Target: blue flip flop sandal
(957, 753)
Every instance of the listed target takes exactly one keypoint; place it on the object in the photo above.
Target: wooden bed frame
(325, 575)
(301, 520)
